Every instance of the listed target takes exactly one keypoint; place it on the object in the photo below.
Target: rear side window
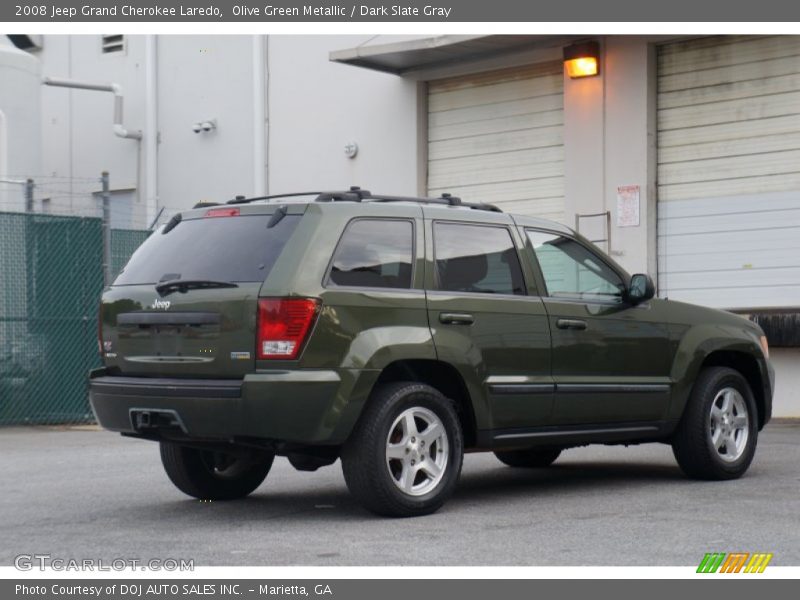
(476, 258)
(237, 249)
(374, 253)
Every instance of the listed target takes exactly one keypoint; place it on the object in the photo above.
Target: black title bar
(399, 11)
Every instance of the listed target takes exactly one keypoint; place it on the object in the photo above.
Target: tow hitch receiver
(145, 419)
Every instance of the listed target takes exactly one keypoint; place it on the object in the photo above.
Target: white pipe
(3, 146)
(114, 88)
(151, 127)
(259, 116)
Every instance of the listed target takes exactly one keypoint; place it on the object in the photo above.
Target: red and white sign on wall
(628, 206)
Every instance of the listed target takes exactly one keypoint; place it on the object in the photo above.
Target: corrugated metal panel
(728, 116)
(737, 252)
(498, 137)
(729, 171)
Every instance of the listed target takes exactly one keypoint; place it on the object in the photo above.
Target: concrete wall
(20, 107)
(786, 402)
(609, 141)
(77, 125)
(316, 107)
(200, 78)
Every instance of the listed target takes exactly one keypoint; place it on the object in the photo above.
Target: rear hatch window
(154, 326)
(235, 249)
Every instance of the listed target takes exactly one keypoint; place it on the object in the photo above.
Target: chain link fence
(51, 278)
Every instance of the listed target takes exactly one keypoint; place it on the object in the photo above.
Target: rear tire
(405, 455)
(716, 438)
(211, 475)
(529, 458)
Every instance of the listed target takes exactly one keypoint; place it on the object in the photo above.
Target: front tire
(716, 438)
(529, 458)
(405, 455)
(211, 475)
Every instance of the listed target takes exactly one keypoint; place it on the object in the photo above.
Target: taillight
(283, 324)
(222, 212)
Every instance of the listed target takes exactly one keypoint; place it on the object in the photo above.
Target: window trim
(437, 283)
(571, 299)
(326, 279)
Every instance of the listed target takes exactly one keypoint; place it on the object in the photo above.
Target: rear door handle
(456, 318)
(571, 324)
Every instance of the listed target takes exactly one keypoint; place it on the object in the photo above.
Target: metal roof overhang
(408, 58)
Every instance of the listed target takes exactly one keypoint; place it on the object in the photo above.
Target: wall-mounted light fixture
(582, 60)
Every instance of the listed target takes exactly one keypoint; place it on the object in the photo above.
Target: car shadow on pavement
(500, 485)
(505, 482)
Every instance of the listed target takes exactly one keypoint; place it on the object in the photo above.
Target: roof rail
(356, 194)
(244, 200)
(444, 200)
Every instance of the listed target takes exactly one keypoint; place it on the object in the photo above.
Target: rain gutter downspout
(151, 127)
(259, 115)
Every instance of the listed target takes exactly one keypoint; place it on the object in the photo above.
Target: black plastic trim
(167, 388)
(168, 318)
(566, 432)
(522, 388)
(608, 388)
(570, 435)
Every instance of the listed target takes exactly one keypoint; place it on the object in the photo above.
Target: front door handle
(456, 318)
(571, 324)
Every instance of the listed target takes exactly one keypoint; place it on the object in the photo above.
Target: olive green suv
(397, 333)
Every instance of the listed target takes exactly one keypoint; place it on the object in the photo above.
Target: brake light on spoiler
(222, 212)
(283, 325)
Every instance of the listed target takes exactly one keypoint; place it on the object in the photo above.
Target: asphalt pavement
(83, 493)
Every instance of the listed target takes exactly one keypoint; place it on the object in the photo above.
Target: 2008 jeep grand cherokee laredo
(398, 333)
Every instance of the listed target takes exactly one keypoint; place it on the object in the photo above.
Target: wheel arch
(441, 376)
(747, 366)
(720, 344)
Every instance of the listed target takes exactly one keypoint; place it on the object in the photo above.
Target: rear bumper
(302, 406)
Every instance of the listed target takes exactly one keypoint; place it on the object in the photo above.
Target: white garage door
(497, 137)
(729, 171)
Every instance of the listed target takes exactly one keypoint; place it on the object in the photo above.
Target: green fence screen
(51, 278)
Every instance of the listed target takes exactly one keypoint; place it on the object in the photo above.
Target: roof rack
(444, 199)
(244, 200)
(356, 194)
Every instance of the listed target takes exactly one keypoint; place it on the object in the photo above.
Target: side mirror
(641, 288)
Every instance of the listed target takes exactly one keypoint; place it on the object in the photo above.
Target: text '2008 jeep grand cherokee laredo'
(396, 333)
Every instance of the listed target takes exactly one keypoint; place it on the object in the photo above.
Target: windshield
(235, 249)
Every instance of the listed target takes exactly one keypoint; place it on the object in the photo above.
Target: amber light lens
(581, 67)
(283, 324)
(765, 345)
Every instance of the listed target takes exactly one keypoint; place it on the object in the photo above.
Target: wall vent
(113, 43)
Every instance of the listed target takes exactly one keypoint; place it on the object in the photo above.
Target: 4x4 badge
(160, 304)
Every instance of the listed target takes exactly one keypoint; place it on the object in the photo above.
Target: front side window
(571, 270)
(477, 259)
(374, 253)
